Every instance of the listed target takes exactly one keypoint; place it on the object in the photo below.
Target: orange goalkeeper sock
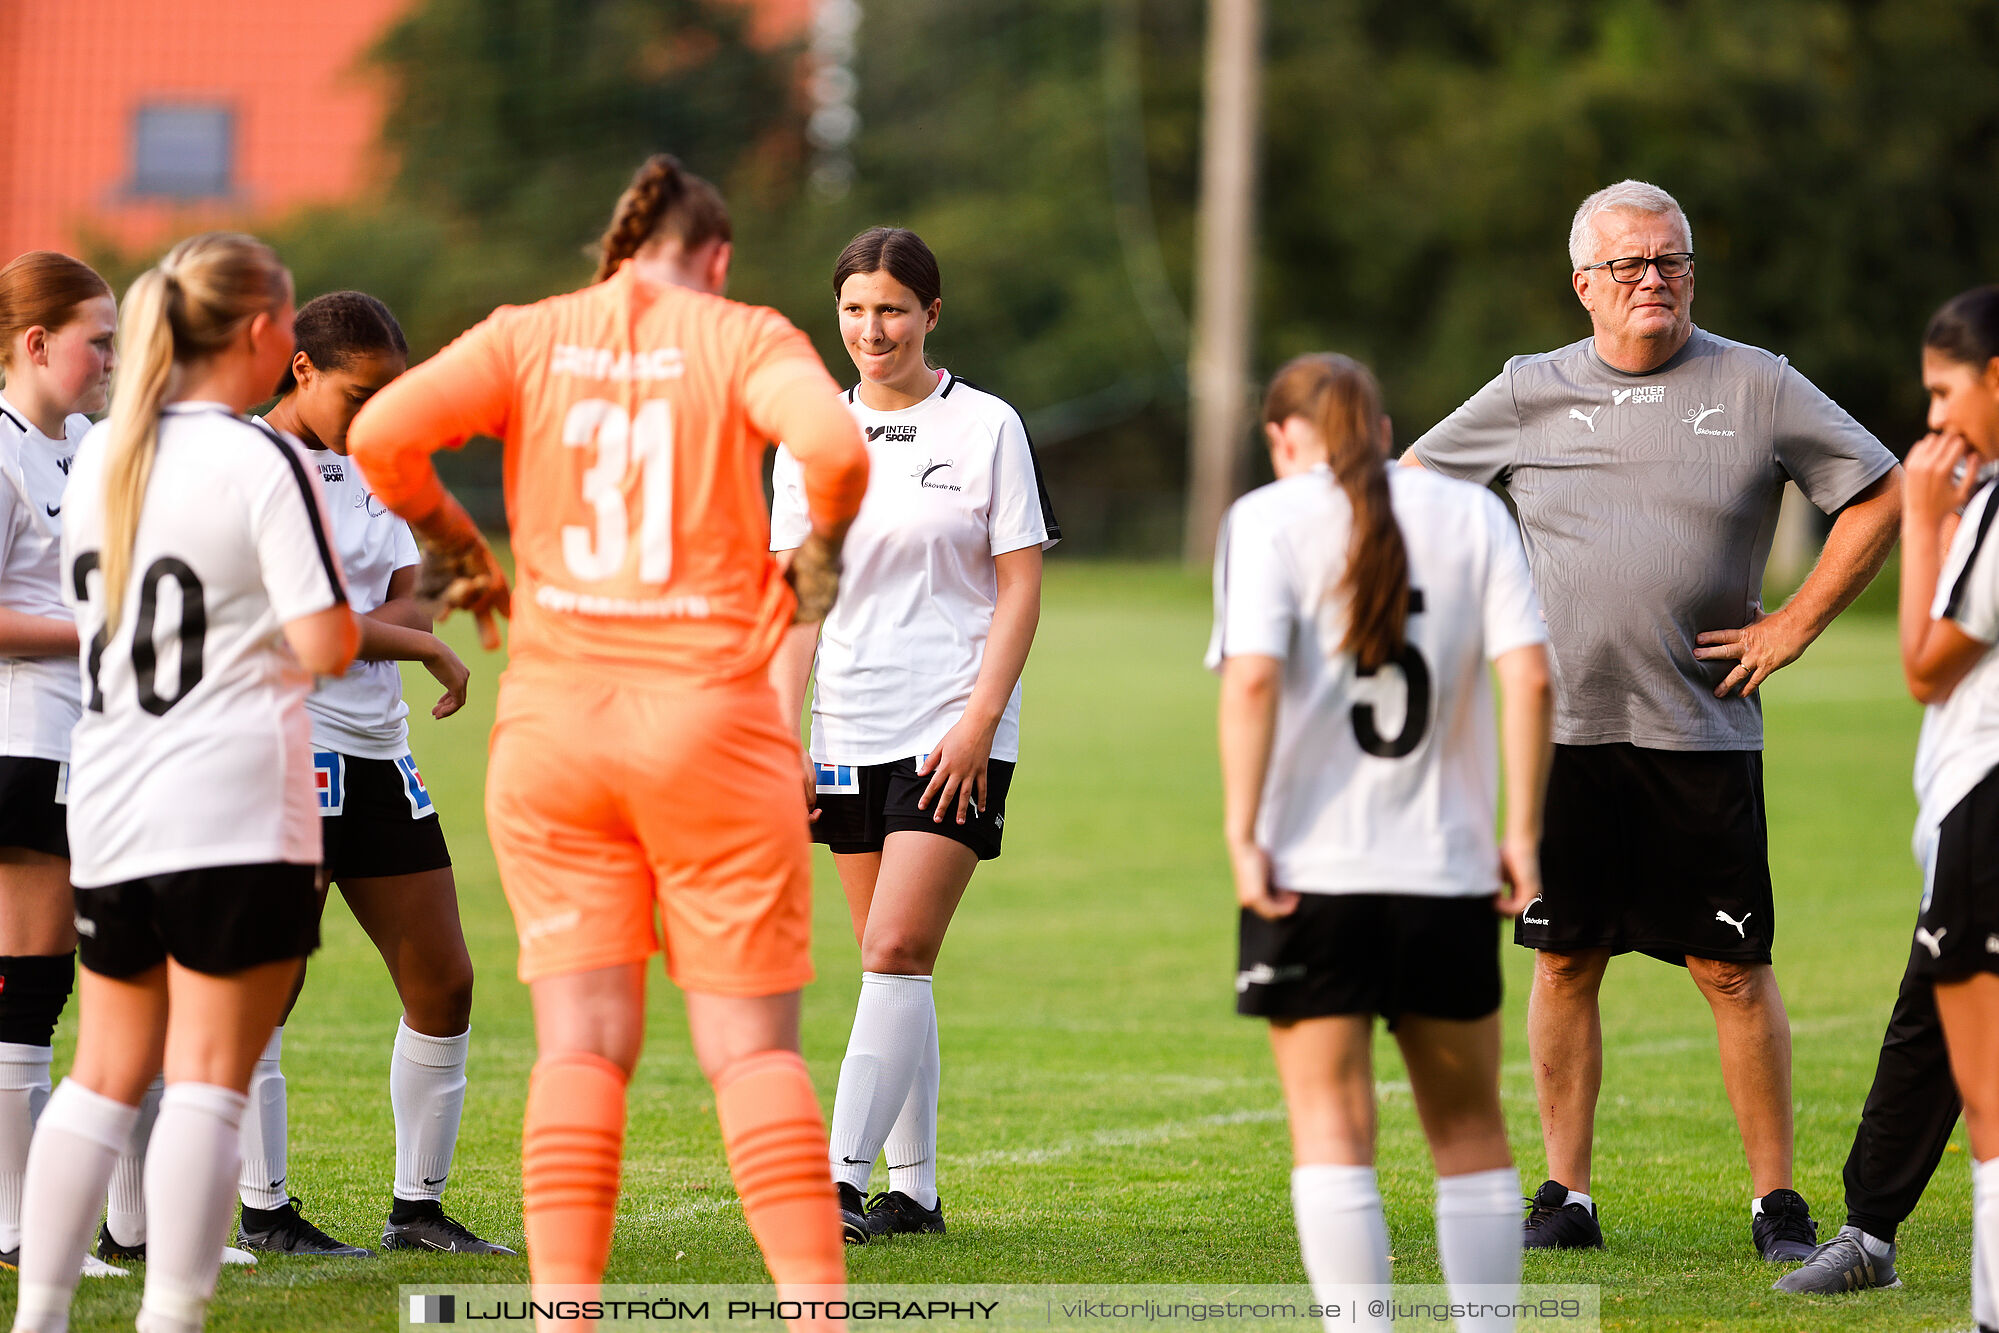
(776, 1141)
(571, 1148)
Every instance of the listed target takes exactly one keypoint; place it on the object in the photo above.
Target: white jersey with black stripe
(39, 696)
(362, 713)
(1960, 738)
(952, 484)
(194, 748)
(1384, 781)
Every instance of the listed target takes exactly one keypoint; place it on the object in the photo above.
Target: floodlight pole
(1218, 360)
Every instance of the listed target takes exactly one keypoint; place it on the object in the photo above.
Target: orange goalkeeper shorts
(626, 819)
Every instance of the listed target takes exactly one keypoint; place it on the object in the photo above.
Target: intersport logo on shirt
(1637, 397)
(892, 434)
(930, 469)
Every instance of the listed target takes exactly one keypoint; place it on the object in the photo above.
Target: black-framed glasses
(1631, 268)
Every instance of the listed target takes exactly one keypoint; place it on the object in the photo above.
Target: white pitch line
(1138, 1137)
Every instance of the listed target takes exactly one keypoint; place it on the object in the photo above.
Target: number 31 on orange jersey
(621, 440)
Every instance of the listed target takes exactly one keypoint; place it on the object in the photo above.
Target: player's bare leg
(216, 1027)
(1970, 1013)
(901, 900)
(1327, 1068)
(413, 921)
(1565, 1042)
(1454, 1075)
(922, 878)
(1755, 1037)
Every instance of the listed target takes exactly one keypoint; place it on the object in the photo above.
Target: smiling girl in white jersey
(207, 595)
(57, 319)
(1355, 614)
(1949, 623)
(916, 712)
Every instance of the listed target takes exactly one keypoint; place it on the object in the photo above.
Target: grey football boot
(1841, 1264)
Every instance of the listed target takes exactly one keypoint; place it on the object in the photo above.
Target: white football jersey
(194, 748)
(952, 484)
(1385, 782)
(39, 696)
(1959, 744)
(362, 713)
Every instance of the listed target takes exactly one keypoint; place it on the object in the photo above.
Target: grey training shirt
(1647, 504)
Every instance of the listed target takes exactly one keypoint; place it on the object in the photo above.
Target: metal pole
(1218, 365)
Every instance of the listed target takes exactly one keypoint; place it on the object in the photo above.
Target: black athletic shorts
(1662, 852)
(376, 818)
(860, 805)
(1371, 953)
(34, 805)
(1957, 931)
(218, 919)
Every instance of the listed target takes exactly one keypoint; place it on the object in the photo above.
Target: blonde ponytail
(183, 310)
(145, 369)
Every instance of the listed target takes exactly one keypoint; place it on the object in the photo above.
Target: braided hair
(664, 199)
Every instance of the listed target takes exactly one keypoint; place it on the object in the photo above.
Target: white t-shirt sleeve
(293, 538)
(1512, 611)
(13, 519)
(1256, 597)
(1020, 514)
(790, 518)
(1968, 593)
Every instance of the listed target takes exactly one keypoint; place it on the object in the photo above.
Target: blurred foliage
(1838, 159)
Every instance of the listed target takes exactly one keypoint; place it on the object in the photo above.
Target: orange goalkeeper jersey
(635, 419)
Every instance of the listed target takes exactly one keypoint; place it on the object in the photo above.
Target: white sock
(68, 1168)
(427, 1093)
(1984, 1240)
(24, 1086)
(911, 1148)
(265, 1141)
(1478, 1239)
(1577, 1196)
(891, 1026)
(1341, 1233)
(1874, 1245)
(190, 1201)
(125, 1211)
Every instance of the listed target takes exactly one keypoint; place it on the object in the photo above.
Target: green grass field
(1105, 1116)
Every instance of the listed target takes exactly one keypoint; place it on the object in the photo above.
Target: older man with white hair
(1647, 463)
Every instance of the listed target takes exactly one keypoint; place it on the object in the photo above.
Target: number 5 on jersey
(1415, 717)
(595, 553)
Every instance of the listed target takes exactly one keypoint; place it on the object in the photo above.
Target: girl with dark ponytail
(1356, 610)
(384, 847)
(1949, 622)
